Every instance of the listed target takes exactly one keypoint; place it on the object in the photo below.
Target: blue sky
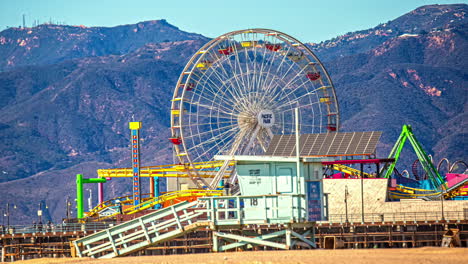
(307, 20)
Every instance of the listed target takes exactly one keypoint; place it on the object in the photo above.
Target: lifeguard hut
(291, 180)
(291, 186)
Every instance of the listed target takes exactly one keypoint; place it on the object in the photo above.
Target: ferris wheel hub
(266, 118)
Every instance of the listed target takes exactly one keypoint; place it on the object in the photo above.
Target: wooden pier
(353, 235)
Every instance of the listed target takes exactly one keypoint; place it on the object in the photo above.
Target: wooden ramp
(140, 233)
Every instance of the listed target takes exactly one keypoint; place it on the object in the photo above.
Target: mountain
(425, 19)
(49, 44)
(64, 112)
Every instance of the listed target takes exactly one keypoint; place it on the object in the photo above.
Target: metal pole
(346, 203)
(68, 207)
(362, 192)
(8, 216)
(442, 203)
(39, 212)
(156, 190)
(90, 200)
(151, 187)
(298, 151)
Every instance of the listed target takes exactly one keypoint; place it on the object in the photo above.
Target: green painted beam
(79, 196)
(79, 192)
(428, 166)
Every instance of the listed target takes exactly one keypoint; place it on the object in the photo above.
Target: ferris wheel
(241, 88)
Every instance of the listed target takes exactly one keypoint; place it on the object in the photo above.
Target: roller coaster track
(113, 202)
(205, 170)
(150, 202)
(426, 194)
(350, 171)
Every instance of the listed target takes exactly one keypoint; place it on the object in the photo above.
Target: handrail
(397, 217)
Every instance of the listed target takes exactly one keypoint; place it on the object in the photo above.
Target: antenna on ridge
(24, 20)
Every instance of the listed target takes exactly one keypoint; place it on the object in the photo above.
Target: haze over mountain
(67, 94)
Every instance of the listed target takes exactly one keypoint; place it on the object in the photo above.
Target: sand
(348, 256)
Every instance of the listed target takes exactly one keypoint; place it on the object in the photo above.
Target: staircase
(142, 232)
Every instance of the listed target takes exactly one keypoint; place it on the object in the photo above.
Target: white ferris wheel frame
(206, 73)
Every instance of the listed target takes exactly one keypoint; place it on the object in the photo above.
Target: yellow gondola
(204, 65)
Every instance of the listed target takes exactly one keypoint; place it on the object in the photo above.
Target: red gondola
(313, 76)
(331, 127)
(273, 47)
(190, 86)
(176, 141)
(226, 51)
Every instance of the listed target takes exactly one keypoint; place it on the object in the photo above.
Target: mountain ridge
(32, 46)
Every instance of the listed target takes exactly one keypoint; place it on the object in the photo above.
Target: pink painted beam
(100, 192)
(363, 161)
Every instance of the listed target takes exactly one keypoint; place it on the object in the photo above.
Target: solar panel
(325, 144)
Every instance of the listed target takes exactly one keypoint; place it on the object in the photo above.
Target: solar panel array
(327, 144)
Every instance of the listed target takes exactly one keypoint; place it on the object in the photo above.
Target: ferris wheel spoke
(222, 139)
(285, 96)
(282, 110)
(234, 91)
(263, 144)
(275, 55)
(218, 139)
(214, 99)
(219, 106)
(231, 127)
(247, 58)
(214, 88)
(253, 136)
(239, 72)
(226, 74)
(211, 107)
(215, 123)
(202, 135)
(284, 99)
(210, 116)
(204, 147)
(269, 132)
(239, 81)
